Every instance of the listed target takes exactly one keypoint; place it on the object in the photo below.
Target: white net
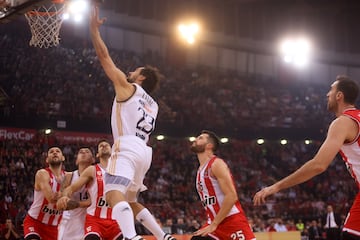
(45, 23)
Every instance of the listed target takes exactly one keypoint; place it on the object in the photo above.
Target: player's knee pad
(349, 236)
(92, 237)
(32, 237)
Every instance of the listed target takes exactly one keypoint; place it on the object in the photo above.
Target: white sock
(148, 220)
(123, 214)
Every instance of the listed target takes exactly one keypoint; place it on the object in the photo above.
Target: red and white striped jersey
(41, 209)
(99, 207)
(210, 193)
(350, 152)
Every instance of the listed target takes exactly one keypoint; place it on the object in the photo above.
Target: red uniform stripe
(100, 188)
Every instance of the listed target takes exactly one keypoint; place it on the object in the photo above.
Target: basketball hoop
(45, 23)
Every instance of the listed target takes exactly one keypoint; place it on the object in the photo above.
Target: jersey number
(146, 122)
(238, 235)
(84, 196)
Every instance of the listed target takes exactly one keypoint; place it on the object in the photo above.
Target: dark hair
(348, 87)
(103, 140)
(85, 146)
(152, 78)
(214, 139)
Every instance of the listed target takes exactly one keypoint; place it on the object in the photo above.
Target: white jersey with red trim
(135, 116)
(350, 152)
(78, 196)
(210, 193)
(41, 209)
(99, 207)
(71, 226)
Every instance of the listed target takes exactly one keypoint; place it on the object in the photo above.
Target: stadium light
(283, 141)
(224, 140)
(296, 51)
(189, 32)
(160, 137)
(260, 141)
(47, 131)
(76, 9)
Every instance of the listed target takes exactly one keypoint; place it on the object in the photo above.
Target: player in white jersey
(343, 136)
(73, 220)
(133, 119)
(98, 222)
(42, 219)
(217, 192)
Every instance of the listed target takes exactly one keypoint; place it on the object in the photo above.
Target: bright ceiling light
(296, 51)
(189, 32)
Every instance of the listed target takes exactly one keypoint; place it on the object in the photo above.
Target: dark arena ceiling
(333, 24)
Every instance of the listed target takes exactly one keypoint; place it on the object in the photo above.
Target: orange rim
(43, 14)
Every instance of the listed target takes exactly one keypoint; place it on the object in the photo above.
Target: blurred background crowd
(68, 83)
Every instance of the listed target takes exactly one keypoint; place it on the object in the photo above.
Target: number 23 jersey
(135, 116)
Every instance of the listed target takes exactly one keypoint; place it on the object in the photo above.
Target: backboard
(10, 9)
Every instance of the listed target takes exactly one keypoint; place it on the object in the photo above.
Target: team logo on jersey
(99, 175)
(206, 173)
(102, 203)
(51, 211)
(208, 200)
(200, 187)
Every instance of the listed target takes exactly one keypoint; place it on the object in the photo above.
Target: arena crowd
(35, 83)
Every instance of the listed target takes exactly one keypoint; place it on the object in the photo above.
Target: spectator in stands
(315, 232)
(19, 219)
(331, 223)
(280, 226)
(10, 232)
(179, 226)
(193, 227)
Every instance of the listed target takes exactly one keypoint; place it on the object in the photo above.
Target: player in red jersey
(343, 137)
(42, 219)
(216, 188)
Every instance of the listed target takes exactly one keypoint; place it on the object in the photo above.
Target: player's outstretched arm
(337, 135)
(123, 88)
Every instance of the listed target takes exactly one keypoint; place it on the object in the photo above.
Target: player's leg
(144, 216)
(116, 187)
